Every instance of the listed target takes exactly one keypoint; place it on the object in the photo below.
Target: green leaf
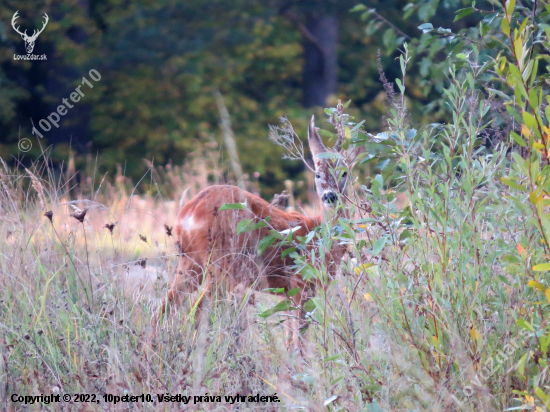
(488, 19)
(247, 225)
(529, 120)
(510, 5)
(514, 113)
(229, 206)
(279, 307)
(287, 251)
(518, 139)
(401, 87)
(521, 363)
(525, 325)
(264, 243)
(512, 184)
(378, 246)
(505, 27)
(389, 38)
(533, 99)
(274, 290)
(333, 357)
(375, 189)
(426, 27)
(326, 133)
(541, 267)
(542, 396)
(463, 13)
(309, 306)
(499, 93)
(293, 292)
(358, 7)
(389, 169)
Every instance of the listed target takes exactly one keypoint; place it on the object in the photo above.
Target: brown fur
(209, 245)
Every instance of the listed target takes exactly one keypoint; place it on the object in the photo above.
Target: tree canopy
(161, 61)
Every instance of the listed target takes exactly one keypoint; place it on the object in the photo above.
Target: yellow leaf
(525, 131)
(542, 267)
(520, 248)
(348, 132)
(547, 293)
(474, 334)
(536, 285)
(518, 47)
(368, 297)
(435, 341)
(360, 268)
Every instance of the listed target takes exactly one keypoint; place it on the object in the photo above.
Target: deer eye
(317, 175)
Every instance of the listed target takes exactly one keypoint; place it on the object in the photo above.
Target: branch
(303, 29)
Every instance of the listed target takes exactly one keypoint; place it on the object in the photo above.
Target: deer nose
(329, 197)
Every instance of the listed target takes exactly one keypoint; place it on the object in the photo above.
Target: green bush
(448, 298)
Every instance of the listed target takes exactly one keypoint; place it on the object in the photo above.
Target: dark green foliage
(160, 62)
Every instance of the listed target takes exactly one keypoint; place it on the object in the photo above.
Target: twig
(307, 34)
(393, 26)
(229, 138)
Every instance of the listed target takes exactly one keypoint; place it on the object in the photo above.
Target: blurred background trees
(160, 62)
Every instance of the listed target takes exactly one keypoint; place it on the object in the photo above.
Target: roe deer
(209, 245)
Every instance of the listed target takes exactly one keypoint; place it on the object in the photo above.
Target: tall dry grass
(83, 268)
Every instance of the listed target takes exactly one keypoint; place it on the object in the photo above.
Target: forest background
(162, 61)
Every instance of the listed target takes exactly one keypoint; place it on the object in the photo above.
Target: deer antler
(15, 16)
(47, 19)
(35, 33)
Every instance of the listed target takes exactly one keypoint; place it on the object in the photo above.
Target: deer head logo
(29, 40)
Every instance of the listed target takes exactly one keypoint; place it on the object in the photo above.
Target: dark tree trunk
(321, 59)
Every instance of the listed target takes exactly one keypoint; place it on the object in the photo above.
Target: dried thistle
(49, 215)
(142, 262)
(80, 215)
(168, 229)
(143, 238)
(110, 226)
(279, 200)
(286, 137)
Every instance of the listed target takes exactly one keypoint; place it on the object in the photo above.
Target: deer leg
(184, 283)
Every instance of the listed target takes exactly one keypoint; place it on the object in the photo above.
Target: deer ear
(315, 143)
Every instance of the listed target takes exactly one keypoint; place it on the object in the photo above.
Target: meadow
(440, 303)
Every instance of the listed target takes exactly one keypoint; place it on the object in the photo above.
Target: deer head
(29, 40)
(330, 181)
